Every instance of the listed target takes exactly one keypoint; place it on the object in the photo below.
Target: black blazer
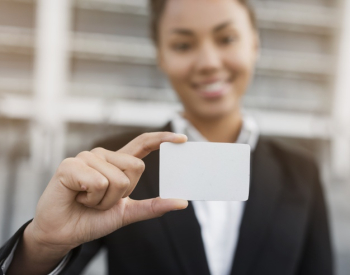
(284, 228)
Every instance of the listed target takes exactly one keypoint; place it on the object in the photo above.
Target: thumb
(151, 208)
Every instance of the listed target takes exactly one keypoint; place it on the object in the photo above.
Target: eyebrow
(222, 26)
(183, 32)
(188, 32)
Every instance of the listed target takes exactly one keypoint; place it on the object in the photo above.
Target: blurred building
(72, 72)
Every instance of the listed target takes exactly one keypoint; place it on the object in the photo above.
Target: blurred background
(72, 72)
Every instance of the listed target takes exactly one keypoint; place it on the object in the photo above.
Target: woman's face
(208, 49)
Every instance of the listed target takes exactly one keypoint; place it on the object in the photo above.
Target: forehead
(203, 14)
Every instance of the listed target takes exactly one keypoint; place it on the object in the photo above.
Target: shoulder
(293, 159)
(114, 143)
(288, 150)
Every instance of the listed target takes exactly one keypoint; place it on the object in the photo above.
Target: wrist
(44, 250)
(33, 256)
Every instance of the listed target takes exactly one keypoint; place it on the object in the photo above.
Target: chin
(216, 113)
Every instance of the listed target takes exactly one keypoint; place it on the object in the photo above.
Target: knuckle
(84, 155)
(101, 184)
(65, 164)
(144, 136)
(68, 162)
(139, 165)
(123, 182)
(153, 207)
(145, 142)
(98, 151)
(146, 147)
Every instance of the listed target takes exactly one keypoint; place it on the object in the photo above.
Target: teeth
(214, 87)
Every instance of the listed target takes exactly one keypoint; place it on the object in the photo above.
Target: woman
(208, 50)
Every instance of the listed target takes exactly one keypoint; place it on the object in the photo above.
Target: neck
(221, 129)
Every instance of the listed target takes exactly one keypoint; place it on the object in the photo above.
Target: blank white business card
(204, 171)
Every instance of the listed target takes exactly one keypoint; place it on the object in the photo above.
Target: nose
(208, 59)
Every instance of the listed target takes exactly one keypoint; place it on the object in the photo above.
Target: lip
(212, 89)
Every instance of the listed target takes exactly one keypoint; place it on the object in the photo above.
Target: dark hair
(157, 7)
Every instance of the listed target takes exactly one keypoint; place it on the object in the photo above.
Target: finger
(151, 208)
(118, 182)
(131, 166)
(146, 143)
(76, 176)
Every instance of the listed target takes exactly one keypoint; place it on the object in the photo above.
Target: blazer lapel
(182, 226)
(263, 198)
(185, 234)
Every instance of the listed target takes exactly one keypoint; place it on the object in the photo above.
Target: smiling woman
(208, 50)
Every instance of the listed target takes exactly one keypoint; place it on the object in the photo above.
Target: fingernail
(178, 209)
(182, 135)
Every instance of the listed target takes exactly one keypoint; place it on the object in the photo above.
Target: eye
(228, 39)
(181, 47)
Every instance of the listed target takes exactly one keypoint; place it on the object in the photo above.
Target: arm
(29, 252)
(86, 199)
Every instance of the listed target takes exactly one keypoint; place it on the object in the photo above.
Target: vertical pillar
(50, 83)
(340, 144)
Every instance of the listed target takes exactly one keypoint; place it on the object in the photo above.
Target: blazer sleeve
(6, 249)
(317, 255)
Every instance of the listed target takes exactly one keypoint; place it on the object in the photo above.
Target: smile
(213, 90)
(213, 87)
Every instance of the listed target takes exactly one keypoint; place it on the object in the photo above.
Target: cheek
(176, 68)
(241, 59)
(241, 69)
(238, 63)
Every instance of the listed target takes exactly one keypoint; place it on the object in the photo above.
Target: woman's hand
(88, 198)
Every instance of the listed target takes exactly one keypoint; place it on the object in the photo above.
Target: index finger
(148, 142)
